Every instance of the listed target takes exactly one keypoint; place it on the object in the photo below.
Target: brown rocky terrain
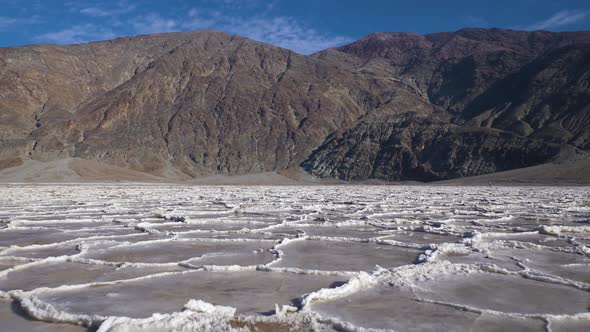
(514, 99)
(391, 106)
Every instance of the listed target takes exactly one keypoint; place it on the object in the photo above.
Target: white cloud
(236, 3)
(286, 32)
(120, 8)
(100, 12)
(12, 21)
(559, 19)
(197, 20)
(154, 23)
(281, 31)
(477, 21)
(77, 34)
(6, 21)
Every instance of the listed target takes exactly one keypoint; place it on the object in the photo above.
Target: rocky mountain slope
(391, 106)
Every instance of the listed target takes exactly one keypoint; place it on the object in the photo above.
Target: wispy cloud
(559, 19)
(477, 21)
(285, 32)
(12, 21)
(281, 31)
(154, 23)
(236, 4)
(116, 9)
(77, 34)
(197, 20)
(7, 21)
(102, 12)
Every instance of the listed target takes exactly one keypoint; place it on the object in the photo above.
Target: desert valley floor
(323, 258)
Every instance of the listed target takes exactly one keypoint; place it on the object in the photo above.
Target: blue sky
(305, 26)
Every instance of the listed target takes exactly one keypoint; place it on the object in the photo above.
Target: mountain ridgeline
(391, 106)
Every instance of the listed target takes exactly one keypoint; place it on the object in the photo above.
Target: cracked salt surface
(250, 292)
(11, 319)
(205, 251)
(511, 294)
(329, 255)
(53, 273)
(185, 258)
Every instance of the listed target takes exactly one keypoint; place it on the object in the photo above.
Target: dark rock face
(412, 148)
(514, 99)
(390, 106)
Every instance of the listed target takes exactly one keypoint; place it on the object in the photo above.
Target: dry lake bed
(278, 258)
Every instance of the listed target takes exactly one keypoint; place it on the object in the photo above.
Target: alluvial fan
(186, 258)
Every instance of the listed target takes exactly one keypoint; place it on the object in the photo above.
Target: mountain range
(390, 106)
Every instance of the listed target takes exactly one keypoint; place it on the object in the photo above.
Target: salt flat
(328, 258)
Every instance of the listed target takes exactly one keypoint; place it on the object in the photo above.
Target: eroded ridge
(184, 258)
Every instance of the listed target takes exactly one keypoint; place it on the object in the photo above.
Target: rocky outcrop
(217, 104)
(412, 147)
(390, 106)
(514, 99)
(43, 84)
